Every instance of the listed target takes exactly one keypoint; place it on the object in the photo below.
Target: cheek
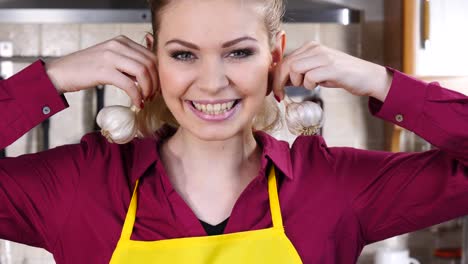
(173, 82)
(252, 79)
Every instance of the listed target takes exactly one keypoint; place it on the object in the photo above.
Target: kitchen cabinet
(435, 37)
(427, 39)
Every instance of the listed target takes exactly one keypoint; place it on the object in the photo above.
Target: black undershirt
(212, 230)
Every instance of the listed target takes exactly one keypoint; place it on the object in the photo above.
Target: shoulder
(94, 143)
(312, 147)
(305, 154)
(302, 147)
(95, 148)
(308, 142)
(131, 159)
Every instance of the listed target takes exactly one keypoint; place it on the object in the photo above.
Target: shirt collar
(277, 151)
(145, 152)
(144, 155)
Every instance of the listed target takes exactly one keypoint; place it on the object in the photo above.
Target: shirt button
(46, 110)
(399, 118)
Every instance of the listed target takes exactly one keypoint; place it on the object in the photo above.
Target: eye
(182, 56)
(242, 53)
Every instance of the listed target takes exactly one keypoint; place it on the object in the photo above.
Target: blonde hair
(156, 113)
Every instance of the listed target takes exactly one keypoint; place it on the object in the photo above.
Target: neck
(211, 175)
(191, 161)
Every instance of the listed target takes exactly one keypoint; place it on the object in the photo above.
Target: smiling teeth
(214, 109)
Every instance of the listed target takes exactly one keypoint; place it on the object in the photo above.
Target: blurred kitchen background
(424, 38)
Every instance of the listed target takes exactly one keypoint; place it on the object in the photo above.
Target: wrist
(383, 83)
(51, 71)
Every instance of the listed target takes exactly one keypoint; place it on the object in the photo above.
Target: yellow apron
(268, 245)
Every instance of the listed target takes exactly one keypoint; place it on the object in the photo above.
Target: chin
(216, 133)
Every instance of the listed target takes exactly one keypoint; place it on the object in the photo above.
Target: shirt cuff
(404, 103)
(34, 91)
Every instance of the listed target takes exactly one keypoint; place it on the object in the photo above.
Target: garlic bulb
(118, 123)
(304, 118)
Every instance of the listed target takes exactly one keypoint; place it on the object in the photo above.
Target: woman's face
(213, 63)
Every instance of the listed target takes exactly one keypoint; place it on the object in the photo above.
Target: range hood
(136, 11)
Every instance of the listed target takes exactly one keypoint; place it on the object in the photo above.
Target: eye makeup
(236, 54)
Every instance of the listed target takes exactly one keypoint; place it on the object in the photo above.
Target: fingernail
(142, 105)
(277, 98)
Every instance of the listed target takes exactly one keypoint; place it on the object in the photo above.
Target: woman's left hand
(314, 64)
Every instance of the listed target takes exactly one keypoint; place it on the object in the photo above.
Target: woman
(155, 200)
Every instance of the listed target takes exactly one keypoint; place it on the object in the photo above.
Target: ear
(279, 48)
(276, 56)
(150, 45)
(149, 38)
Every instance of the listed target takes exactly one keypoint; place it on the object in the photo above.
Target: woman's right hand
(120, 62)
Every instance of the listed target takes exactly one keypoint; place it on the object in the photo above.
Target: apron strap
(131, 215)
(272, 192)
(274, 200)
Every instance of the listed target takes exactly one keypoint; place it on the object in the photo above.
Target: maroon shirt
(72, 200)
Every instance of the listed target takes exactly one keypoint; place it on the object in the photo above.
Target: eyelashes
(242, 53)
(181, 55)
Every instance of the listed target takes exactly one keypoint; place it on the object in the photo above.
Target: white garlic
(118, 123)
(304, 118)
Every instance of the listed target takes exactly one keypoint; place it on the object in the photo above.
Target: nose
(212, 76)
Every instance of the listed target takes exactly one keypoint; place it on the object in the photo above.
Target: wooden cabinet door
(436, 37)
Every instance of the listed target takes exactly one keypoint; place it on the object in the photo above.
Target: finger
(282, 74)
(302, 65)
(150, 70)
(314, 77)
(146, 57)
(305, 51)
(148, 53)
(306, 46)
(156, 86)
(296, 78)
(143, 80)
(284, 77)
(134, 68)
(137, 85)
(308, 63)
(125, 83)
(280, 78)
(137, 52)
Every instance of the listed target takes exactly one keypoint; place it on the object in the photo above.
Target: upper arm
(38, 191)
(395, 193)
(389, 193)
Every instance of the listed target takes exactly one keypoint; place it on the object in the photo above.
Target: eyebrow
(195, 47)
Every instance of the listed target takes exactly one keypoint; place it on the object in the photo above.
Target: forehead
(211, 20)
